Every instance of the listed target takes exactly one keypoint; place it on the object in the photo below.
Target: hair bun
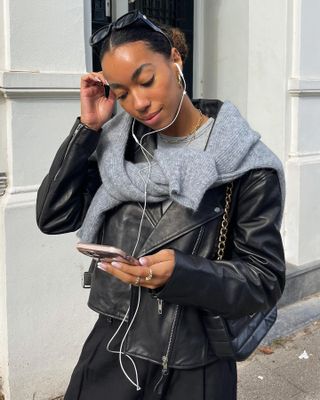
(179, 42)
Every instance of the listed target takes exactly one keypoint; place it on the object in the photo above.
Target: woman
(158, 193)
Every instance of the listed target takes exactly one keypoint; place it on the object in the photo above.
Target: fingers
(93, 78)
(120, 271)
(157, 268)
(112, 97)
(123, 276)
(143, 272)
(128, 269)
(161, 256)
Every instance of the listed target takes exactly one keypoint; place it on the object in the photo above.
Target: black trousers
(98, 376)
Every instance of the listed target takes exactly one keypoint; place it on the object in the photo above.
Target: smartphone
(106, 253)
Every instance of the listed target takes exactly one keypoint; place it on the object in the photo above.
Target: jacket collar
(179, 220)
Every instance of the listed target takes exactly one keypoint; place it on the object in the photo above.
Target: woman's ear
(176, 57)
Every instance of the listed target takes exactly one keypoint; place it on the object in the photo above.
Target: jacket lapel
(179, 220)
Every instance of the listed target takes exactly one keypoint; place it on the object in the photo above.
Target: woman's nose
(141, 103)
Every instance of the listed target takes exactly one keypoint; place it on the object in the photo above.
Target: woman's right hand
(96, 108)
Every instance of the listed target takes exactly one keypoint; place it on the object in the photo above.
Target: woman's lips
(151, 119)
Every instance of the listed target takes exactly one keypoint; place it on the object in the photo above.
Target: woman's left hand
(157, 268)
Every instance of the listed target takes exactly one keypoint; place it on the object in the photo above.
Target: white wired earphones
(148, 156)
(146, 153)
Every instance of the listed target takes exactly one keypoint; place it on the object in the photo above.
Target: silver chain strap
(224, 223)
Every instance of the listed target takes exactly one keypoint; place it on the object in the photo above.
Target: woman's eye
(122, 97)
(148, 83)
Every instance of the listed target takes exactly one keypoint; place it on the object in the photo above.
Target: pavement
(287, 364)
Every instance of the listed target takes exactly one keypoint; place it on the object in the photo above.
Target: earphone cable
(146, 153)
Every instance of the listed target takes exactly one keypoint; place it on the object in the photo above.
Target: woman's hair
(154, 40)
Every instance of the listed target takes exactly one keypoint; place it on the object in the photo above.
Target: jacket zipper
(160, 306)
(165, 357)
(198, 241)
(73, 137)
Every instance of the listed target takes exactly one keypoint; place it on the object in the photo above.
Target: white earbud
(182, 77)
(179, 69)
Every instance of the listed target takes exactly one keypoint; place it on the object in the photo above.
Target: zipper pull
(76, 131)
(160, 306)
(162, 382)
(164, 365)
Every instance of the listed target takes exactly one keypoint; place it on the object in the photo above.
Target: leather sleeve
(66, 192)
(252, 277)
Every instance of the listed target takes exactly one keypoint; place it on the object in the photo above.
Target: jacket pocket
(108, 295)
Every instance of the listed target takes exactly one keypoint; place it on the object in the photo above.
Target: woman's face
(144, 82)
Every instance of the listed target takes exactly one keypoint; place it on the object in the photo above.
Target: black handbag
(235, 339)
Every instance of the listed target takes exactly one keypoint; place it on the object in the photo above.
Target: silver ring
(149, 276)
(137, 281)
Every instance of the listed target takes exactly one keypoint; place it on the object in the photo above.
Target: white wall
(303, 244)
(269, 27)
(44, 317)
(225, 62)
(245, 61)
(4, 373)
(265, 57)
(46, 36)
(3, 22)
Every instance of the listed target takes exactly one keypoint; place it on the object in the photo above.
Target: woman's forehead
(127, 58)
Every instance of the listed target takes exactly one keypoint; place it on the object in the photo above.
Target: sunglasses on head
(121, 23)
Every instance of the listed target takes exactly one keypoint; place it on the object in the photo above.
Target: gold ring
(137, 281)
(149, 276)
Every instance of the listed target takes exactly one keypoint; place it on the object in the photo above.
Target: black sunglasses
(121, 23)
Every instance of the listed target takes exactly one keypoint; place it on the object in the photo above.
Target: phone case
(106, 253)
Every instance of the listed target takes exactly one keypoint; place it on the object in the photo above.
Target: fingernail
(116, 264)
(102, 266)
(143, 261)
(97, 79)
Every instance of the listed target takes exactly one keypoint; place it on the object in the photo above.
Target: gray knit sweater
(182, 175)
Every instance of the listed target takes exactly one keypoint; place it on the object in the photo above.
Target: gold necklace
(187, 139)
(192, 134)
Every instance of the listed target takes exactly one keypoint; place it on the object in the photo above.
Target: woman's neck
(188, 118)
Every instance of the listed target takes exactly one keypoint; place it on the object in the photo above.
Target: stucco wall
(225, 54)
(245, 60)
(264, 57)
(303, 165)
(44, 318)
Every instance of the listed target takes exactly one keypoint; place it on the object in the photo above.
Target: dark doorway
(101, 16)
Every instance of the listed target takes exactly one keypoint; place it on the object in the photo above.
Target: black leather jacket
(168, 326)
